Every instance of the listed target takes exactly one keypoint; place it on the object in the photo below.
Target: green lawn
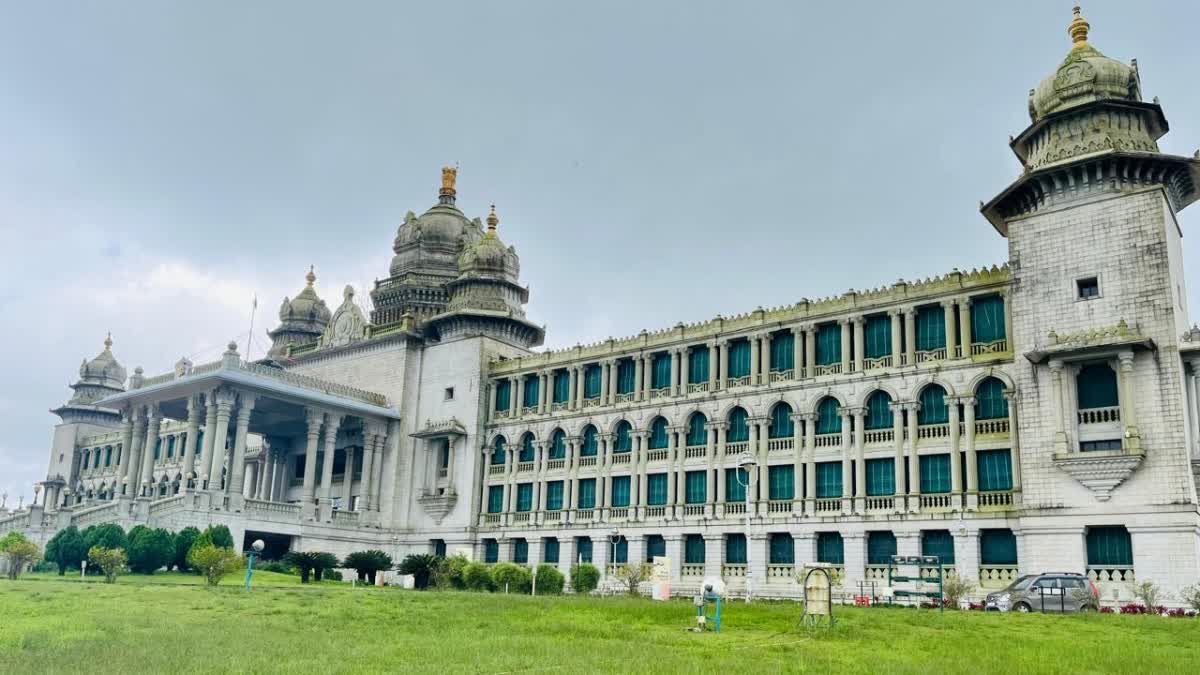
(47, 625)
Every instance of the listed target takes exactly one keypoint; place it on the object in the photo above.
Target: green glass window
(877, 334)
(696, 487)
(503, 394)
(621, 551)
(532, 383)
(931, 328)
(1097, 387)
(881, 477)
(693, 549)
(739, 358)
(620, 491)
(199, 445)
(735, 485)
(1109, 545)
(591, 443)
(739, 426)
(583, 547)
(935, 474)
(781, 549)
(829, 480)
(939, 543)
(698, 365)
(989, 400)
(987, 319)
(783, 351)
(157, 451)
(655, 546)
(735, 549)
(830, 549)
(626, 376)
(781, 422)
(829, 344)
(491, 551)
(170, 449)
(562, 386)
(933, 406)
(496, 499)
(558, 444)
(624, 439)
(781, 482)
(697, 434)
(881, 546)
(592, 376)
(498, 451)
(660, 370)
(828, 419)
(554, 495)
(550, 550)
(527, 453)
(659, 437)
(520, 551)
(879, 411)
(997, 547)
(656, 489)
(995, 470)
(525, 497)
(587, 494)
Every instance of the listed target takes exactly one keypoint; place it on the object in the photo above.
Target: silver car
(1047, 592)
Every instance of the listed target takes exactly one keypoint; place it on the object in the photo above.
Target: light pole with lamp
(747, 464)
(255, 548)
(614, 538)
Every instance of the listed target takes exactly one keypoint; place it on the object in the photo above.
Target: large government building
(1040, 415)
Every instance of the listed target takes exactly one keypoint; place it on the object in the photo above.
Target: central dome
(1084, 76)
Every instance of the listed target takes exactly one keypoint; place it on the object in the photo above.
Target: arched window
(498, 450)
(624, 439)
(658, 434)
(697, 434)
(781, 421)
(558, 445)
(590, 443)
(1097, 387)
(989, 400)
(933, 406)
(739, 426)
(828, 420)
(879, 411)
(527, 451)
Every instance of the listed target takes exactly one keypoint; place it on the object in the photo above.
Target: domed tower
(427, 249)
(102, 376)
(486, 298)
(301, 320)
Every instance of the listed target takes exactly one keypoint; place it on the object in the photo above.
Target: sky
(164, 163)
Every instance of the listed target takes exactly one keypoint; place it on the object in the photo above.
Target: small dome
(1084, 76)
(104, 370)
(489, 257)
(306, 307)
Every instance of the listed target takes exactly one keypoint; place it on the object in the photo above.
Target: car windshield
(1022, 583)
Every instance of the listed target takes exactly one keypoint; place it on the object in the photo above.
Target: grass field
(52, 625)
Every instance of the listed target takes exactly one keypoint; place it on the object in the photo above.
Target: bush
(214, 562)
(1191, 596)
(277, 566)
(477, 577)
(150, 550)
(1149, 594)
(19, 552)
(954, 589)
(323, 567)
(584, 578)
(107, 535)
(66, 549)
(183, 543)
(632, 575)
(549, 580)
(421, 566)
(302, 561)
(332, 575)
(449, 572)
(219, 536)
(511, 577)
(111, 561)
(368, 563)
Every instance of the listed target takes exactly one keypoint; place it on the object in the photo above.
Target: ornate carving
(1100, 474)
(348, 324)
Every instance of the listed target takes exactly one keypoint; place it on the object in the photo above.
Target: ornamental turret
(302, 319)
(98, 378)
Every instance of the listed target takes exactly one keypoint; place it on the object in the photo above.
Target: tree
(633, 574)
(214, 562)
(367, 563)
(67, 549)
(584, 578)
(954, 590)
(106, 535)
(511, 577)
(449, 572)
(421, 566)
(220, 536)
(322, 562)
(549, 580)
(183, 543)
(111, 561)
(19, 552)
(1191, 595)
(477, 577)
(1149, 593)
(150, 549)
(302, 561)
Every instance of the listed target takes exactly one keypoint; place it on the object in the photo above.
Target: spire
(311, 277)
(108, 342)
(492, 220)
(447, 193)
(1078, 30)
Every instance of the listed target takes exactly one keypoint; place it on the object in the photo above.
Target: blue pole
(249, 569)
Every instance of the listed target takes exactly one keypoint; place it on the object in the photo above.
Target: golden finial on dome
(492, 221)
(449, 176)
(1078, 30)
(311, 277)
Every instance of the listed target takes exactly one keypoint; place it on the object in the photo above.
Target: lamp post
(614, 538)
(747, 464)
(256, 547)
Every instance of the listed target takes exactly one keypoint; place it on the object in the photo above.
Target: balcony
(828, 369)
(552, 517)
(997, 427)
(660, 455)
(621, 457)
(522, 518)
(880, 504)
(743, 381)
(695, 451)
(994, 347)
(524, 467)
(779, 507)
(828, 507)
(827, 440)
(782, 375)
(692, 570)
(555, 464)
(735, 448)
(931, 431)
(781, 571)
(733, 570)
(879, 436)
(529, 410)
(491, 519)
(589, 460)
(877, 364)
(930, 355)
(583, 516)
(1107, 415)
(496, 470)
(735, 508)
(697, 387)
(591, 402)
(780, 444)
(940, 502)
(693, 510)
(502, 414)
(558, 407)
(661, 392)
(997, 501)
(627, 397)
(619, 513)
(656, 512)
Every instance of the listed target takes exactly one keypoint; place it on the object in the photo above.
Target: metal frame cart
(918, 561)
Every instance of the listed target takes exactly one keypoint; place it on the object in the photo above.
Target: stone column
(713, 360)
(714, 554)
(847, 466)
(332, 422)
(639, 370)
(797, 462)
(860, 461)
(210, 436)
(639, 448)
(675, 553)
(574, 387)
(804, 548)
(966, 553)
(313, 419)
(910, 335)
(648, 374)
(544, 384)
(605, 374)
(514, 401)
(193, 431)
(765, 367)
(521, 395)
(956, 486)
(153, 426)
(1014, 437)
(951, 329)
(676, 369)
(251, 480)
(897, 409)
(1060, 433)
(859, 343)
(797, 353)
(237, 467)
(810, 351)
(675, 478)
(964, 320)
(756, 550)
(126, 445)
(220, 434)
(969, 429)
(491, 411)
(754, 357)
(855, 551)
(1008, 320)
(348, 481)
(723, 355)
(897, 348)
(810, 460)
(844, 333)
(914, 465)
(1133, 439)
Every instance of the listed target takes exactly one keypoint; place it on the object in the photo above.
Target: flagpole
(250, 335)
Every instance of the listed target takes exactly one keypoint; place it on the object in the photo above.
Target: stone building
(1039, 415)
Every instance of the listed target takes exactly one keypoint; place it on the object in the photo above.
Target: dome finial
(108, 342)
(311, 277)
(492, 221)
(449, 178)
(1078, 30)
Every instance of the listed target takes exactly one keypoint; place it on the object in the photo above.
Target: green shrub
(332, 575)
(420, 566)
(183, 543)
(367, 563)
(511, 577)
(111, 561)
(477, 577)
(323, 565)
(219, 536)
(214, 562)
(150, 550)
(449, 572)
(277, 566)
(19, 552)
(303, 561)
(66, 549)
(549, 580)
(107, 535)
(584, 578)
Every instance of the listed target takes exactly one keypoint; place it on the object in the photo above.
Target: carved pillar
(847, 465)
(897, 348)
(220, 434)
(969, 431)
(639, 371)
(723, 355)
(193, 431)
(332, 422)
(951, 329)
(955, 450)
(153, 427)
(521, 395)
(754, 357)
(844, 334)
(1060, 433)
(676, 369)
(1014, 437)
(914, 465)
(605, 373)
(238, 465)
(810, 459)
(126, 444)
(860, 461)
(313, 418)
(898, 440)
(810, 351)
(371, 441)
(859, 342)
(964, 320)
(1133, 438)
(910, 335)
(713, 360)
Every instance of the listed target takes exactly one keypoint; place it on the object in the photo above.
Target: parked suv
(1047, 592)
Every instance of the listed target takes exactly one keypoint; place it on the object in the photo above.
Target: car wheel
(1022, 608)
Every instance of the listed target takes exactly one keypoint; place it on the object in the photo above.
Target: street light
(256, 547)
(613, 537)
(747, 464)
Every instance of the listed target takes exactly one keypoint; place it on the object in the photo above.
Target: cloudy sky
(161, 163)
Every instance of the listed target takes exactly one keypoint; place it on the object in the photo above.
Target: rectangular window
(939, 543)
(783, 351)
(881, 546)
(626, 376)
(829, 344)
(660, 371)
(562, 386)
(997, 547)
(830, 549)
(693, 550)
(829, 480)
(655, 546)
(735, 485)
(520, 551)
(739, 358)
(503, 392)
(583, 547)
(698, 365)
(935, 474)
(620, 491)
(1109, 546)
(491, 551)
(592, 375)
(554, 495)
(532, 384)
(735, 549)
(987, 319)
(931, 328)
(877, 334)
(449, 393)
(782, 550)
(696, 487)
(881, 477)
(587, 494)
(995, 470)
(444, 453)
(620, 551)
(496, 499)
(298, 466)
(1088, 288)
(550, 550)
(781, 482)
(525, 497)
(656, 489)
(1093, 446)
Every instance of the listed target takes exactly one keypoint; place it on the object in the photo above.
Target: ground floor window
(735, 549)
(583, 547)
(693, 550)
(997, 547)
(939, 543)
(781, 549)
(620, 551)
(439, 547)
(520, 551)
(655, 546)
(830, 549)
(1109, 546)
(550, 550)
(491, 551)
(881, 546)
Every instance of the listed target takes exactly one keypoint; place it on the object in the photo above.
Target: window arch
(527, 450)
(624, 437)
(828, 420)
(498, 450)
(696, 433)
(558, 444)
(933, 406)
(879, 411)
(1097, 387)
(781, 421)
(989, 400)
(659, 438)
(591, 443)
(739, 426)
